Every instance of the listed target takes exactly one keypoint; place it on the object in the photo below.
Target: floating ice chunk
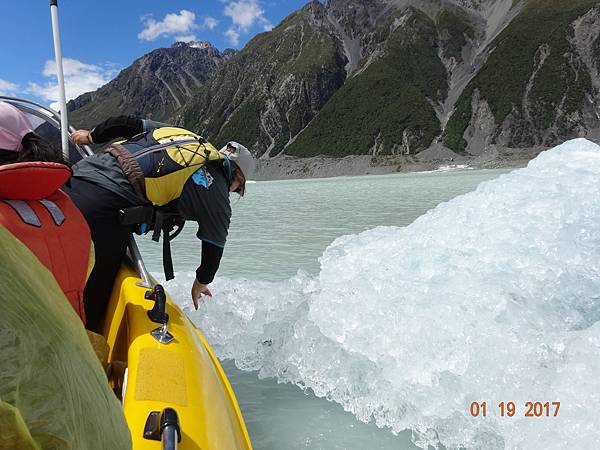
(493, 296)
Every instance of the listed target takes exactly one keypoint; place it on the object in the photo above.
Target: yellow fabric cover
(100, 347)
(165, 188)
(53, 391)
(91, 260)
(15, 434)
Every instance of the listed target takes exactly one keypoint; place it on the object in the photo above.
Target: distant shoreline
(288, 167)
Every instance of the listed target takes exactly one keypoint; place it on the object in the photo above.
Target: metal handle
(163, 427)
(169, 438)
(169, 426)
(158, 314)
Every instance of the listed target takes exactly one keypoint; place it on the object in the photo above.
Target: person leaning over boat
(35, 211)
(192, 180)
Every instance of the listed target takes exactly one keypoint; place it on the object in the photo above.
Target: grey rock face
(586, 41)
(155, 86)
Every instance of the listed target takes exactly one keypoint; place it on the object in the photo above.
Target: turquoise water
(280, 228)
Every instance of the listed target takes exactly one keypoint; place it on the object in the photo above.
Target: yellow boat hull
(184, 375)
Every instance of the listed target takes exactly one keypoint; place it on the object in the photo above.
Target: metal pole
(136, 256)
(64, 120)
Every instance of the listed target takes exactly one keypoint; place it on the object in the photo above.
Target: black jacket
(204, 198)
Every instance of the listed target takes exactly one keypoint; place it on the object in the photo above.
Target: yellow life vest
(167, 167)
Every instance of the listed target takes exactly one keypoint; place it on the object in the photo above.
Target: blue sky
(99, 38)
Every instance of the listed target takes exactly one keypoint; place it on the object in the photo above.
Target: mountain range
(155, 86)
(424, 78)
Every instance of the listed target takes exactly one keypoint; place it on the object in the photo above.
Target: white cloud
(233, 36)
(180, 26)
(8, 88)
(186, 38)
(244, 15)
(173, 24)
(79, 79)
(210, 23)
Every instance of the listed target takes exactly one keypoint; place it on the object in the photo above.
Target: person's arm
(205, 274)
(211, 258)
(112, 128)
(208, 205)
(117, 127)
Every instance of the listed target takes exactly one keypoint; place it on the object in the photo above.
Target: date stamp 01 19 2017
(509, 409)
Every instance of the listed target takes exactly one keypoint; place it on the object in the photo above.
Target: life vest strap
(167, 257)
(166, 222)
(25, 212)
(131, 168)
(54, 210)
(162, 220)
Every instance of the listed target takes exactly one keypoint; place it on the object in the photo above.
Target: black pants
(100, 208)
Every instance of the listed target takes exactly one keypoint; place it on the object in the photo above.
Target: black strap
(159, 221)
(167, 258)
(164, 223)
(164, 226)
(162, 220)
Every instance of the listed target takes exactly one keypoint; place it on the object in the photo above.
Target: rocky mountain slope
(432, 78)
(270, 91)
(400, 76)
(154, 86)
(548, 93)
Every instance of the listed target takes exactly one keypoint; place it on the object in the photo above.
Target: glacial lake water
(278, 229)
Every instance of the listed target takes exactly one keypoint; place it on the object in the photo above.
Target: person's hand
(81, 137)
(198, 290)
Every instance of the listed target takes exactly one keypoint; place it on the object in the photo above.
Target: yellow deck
(184, 375)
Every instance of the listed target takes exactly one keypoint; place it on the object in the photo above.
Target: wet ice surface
(281, 416)
(492, 297)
